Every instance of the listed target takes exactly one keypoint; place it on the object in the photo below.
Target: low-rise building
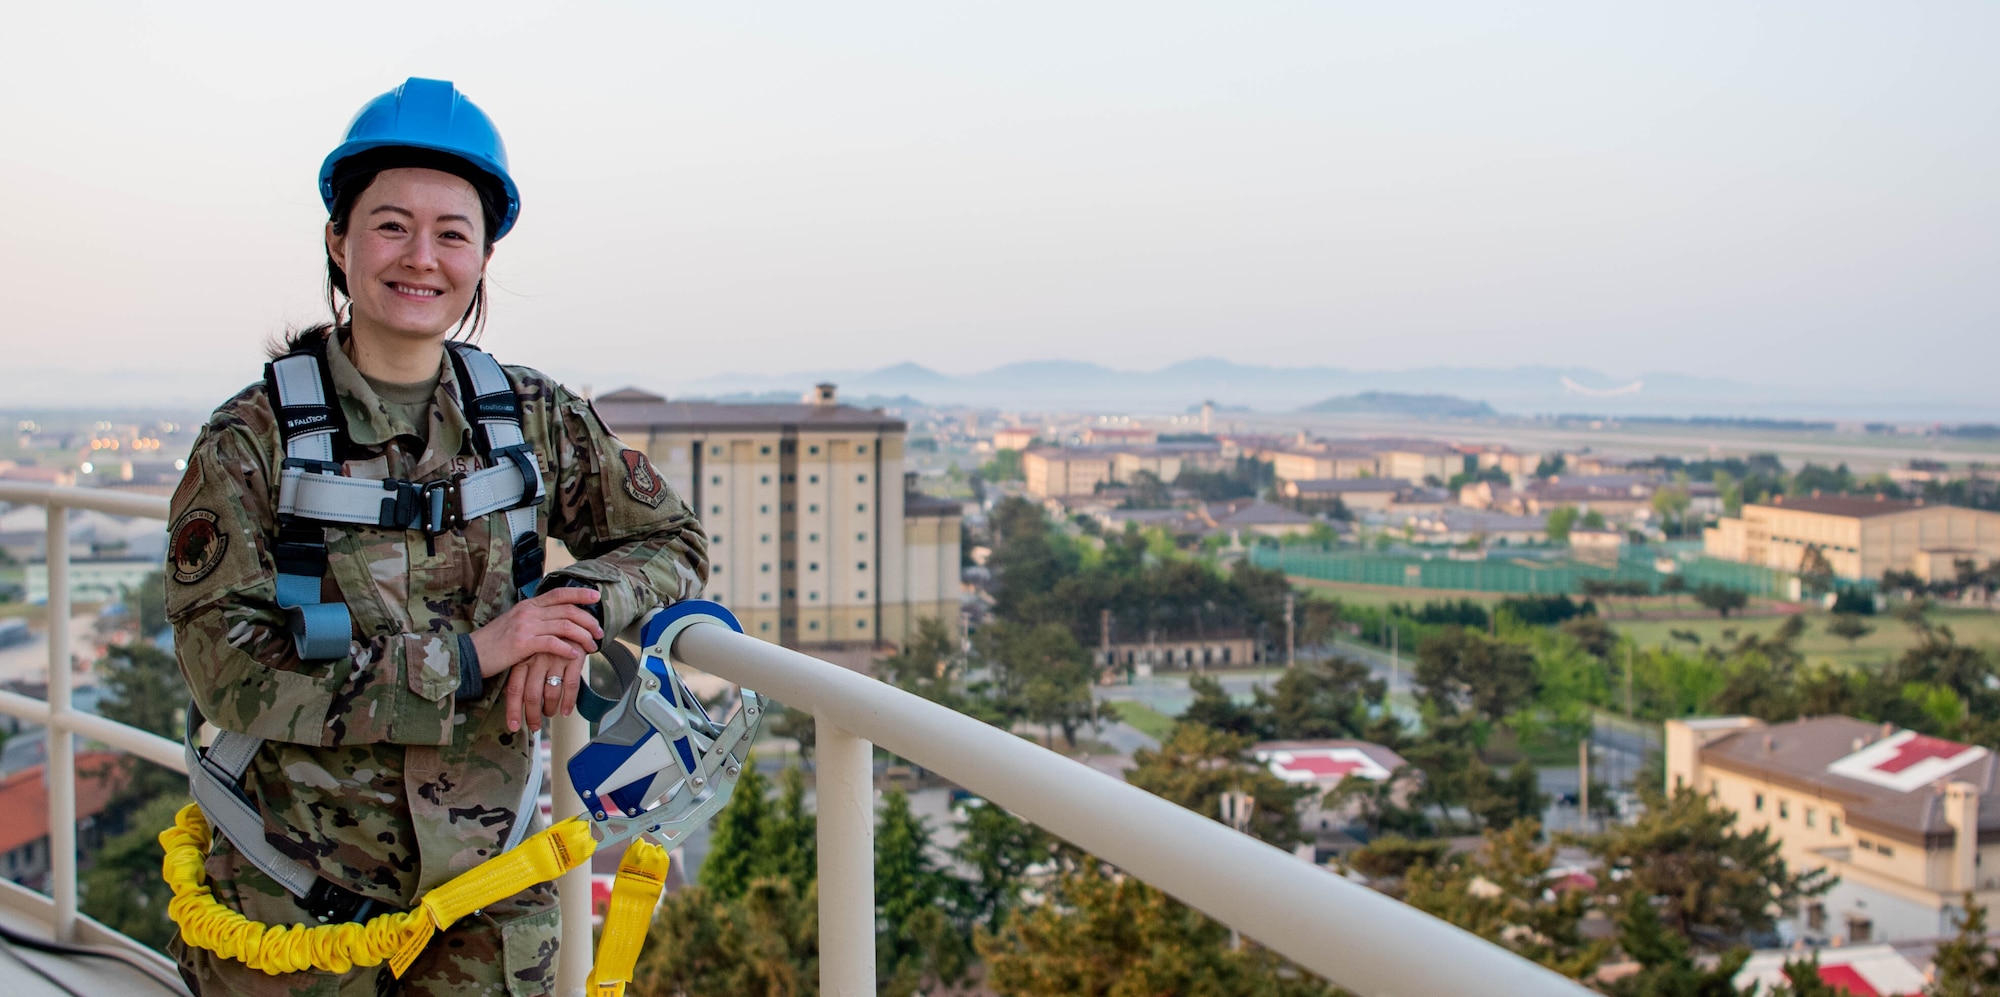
(1053, 472)
(1860, 537)
(1257, 518)
(24, 813)
(1194, 653)
(1014, 439)
(1357, 494)
(1454, 525)
(1307, 463)
(1123, 436)
(1904, 820)
(1419, 460)
(1324, 764)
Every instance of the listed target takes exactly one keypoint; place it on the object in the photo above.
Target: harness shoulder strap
(496, 410)
(313, 430)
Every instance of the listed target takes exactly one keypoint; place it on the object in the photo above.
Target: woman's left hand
(531, 697)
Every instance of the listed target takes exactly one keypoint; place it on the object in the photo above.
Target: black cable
(37, 970)
(15, 938)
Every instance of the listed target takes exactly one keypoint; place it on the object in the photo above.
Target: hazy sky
(1777, 192)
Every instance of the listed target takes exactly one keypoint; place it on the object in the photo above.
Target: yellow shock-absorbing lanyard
(399, 937)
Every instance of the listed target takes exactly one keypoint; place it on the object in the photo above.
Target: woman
(397, 673)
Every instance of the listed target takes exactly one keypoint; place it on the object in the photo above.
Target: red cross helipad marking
(1919, 749)
(1321, 766)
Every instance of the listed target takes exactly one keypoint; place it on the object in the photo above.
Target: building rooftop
(1342, 486)
(1889, 781)
(1850, 506)
(1327, 761)
(1262, 514)
(630, 409)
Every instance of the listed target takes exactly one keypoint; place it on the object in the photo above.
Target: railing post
(61, 744)
(573, 961)
(845, 785)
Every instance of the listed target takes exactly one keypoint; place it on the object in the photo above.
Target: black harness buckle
(330, 903)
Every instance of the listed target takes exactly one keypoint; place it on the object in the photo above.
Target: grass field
(1147, 720)
(1890, 639)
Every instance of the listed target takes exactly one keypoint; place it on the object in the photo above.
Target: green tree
(1670, 503)
(1107, 935)
(1802, 979)
(1667, 965)
(737, 836)
(764, 942)
(1000, 849)
(1562, 519)
(148, 602)
(1815, 571)
(1592, 520)
(916, 945)
(1506, 896)
(1967, 965)
(1147, 491)
(1715, 885)
(1463, 671)
(1331, 698)
(123, 888)
(1849, 627)
(930, 664)
(1005, 466)
(1214, 708)
(1720, 598)
(1195, 765)
(1043, 676)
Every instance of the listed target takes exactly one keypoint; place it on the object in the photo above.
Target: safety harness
(314, 492)
(657, 768)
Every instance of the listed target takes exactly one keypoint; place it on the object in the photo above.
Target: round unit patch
(197, 546)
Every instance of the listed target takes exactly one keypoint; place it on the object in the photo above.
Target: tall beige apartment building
(814, 541)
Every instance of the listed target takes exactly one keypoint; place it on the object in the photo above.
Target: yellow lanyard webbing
(206, 923)
(634, 895)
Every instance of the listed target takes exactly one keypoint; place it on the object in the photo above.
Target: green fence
(1514, 576)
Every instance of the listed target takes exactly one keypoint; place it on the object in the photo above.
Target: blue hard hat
(432, 115)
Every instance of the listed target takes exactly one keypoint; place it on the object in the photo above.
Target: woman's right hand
(547, 636)
(552, 623)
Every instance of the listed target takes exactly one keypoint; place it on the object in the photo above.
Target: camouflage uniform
(374, 774)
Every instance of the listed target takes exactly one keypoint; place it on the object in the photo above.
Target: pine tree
(1967, 965)
(999, 848)
(1667, 967)
(1506, 897)
(1717, 885)
(1195, 765)
(735, 846)
(915, 942)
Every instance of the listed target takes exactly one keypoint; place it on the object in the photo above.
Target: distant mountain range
(1472, 392)
(1392, 403)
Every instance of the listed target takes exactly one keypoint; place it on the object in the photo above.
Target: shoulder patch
(196, 547)
(641, 480)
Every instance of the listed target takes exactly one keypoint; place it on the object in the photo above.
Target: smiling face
(413, 252)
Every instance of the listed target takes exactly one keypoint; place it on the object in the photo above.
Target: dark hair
(353, 176)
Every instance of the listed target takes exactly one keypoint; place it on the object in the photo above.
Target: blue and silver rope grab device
(658, 765)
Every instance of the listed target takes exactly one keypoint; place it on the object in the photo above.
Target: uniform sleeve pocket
(430, 663)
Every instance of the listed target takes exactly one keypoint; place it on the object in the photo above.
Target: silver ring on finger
(555, 681)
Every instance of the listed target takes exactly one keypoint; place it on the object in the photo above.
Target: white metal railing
(1347, 933)
(57, 714)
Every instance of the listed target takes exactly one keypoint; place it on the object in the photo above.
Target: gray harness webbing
(314, 490)
(215, 778)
